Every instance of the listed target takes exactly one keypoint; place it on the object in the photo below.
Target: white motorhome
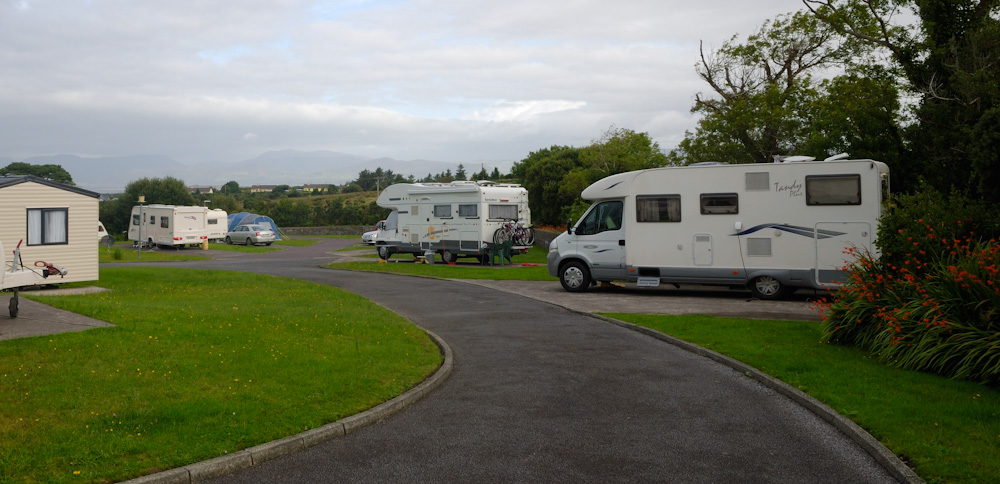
(216, 224)
(174, 225)
(771, 227)
(457, 219)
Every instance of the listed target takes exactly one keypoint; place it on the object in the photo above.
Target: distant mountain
(284, 167)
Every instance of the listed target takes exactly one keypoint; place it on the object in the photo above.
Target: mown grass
(948, 431)
(464, 269)
(129, 254)
(201, 363)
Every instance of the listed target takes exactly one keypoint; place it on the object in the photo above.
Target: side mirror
(569, 226)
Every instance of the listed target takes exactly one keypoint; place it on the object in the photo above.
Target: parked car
(250, 235)
(370, 238)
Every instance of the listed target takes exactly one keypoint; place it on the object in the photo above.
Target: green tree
(763, 97)
(460, 173)
(55, 173)
(951, 60)
(165, 191)
(231, 188)
(542, 174)
(482, 175)
(619, 150)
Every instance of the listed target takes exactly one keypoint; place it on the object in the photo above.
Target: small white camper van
(216, 224)
(174, 226)
(771, 227)
(457, 219)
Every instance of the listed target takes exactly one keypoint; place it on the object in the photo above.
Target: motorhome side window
(833, 189)
(658, 208)
(508, 212)
(468, 211)
(719, 203)
(442, 211)
(213, 221)
(165, 222)
(602, 217)
(48, 226)
(135, 219)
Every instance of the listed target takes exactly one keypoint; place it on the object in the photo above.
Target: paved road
(542, 394)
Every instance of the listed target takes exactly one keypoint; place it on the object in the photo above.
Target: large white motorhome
(771, 227)
(457, 219)
(175, 226)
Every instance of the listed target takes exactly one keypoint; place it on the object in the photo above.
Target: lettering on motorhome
(794, 190)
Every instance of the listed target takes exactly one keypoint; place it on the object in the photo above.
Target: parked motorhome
(770, 227)
(457, 219)
(174, 226)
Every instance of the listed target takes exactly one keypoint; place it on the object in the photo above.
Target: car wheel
(767, 288)
(449, 256)
(574, 277)
(229, 241)
(383, 252)
(249, 242)
(267, 244)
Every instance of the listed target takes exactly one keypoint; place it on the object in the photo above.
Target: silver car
(250, 235)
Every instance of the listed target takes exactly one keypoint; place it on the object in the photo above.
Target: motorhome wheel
(448, 256)
(574, 277)
(383, 252)
(767, 287)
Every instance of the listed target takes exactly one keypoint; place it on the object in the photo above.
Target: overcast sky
(447, 80)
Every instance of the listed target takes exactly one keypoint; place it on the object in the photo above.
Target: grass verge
(947, 431)
(464, 269)
(201, 363)
(128, 254)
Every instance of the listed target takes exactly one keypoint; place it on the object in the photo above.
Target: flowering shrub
(934, 308)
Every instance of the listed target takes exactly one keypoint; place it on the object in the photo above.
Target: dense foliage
(932, 301)
(55, 173)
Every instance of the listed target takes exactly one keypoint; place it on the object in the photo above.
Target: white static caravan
(52, 222)
(771, 227)
(452, 219)
(170, 225)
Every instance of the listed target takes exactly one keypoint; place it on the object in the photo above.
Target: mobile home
(51, 222)
(216, 224)
(770, 227)
(172, 226)
(457, 219)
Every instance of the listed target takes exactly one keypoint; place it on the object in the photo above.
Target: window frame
(473, 206)
(44, 232)
(671, 196)
(718, 196)
(439, 208)
(811, 189)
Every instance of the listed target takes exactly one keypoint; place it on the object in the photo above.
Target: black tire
(767, 288)
(448, 256)
(249, 242)
(383, 252)
(574, 276)
(229, 241)
(12, 307)
(267, 244)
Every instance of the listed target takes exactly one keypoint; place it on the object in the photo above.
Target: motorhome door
(835, 242)
(601, 238)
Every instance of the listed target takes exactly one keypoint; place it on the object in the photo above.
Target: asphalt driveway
(543, 394)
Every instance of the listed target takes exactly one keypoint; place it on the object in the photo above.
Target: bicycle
(515, 232)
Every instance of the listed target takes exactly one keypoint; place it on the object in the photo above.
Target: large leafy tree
(542, 173)
(55, 173)
(951, 60)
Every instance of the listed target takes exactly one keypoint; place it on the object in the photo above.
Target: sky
(445, 80)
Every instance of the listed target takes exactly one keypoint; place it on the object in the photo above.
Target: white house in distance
(57, 224)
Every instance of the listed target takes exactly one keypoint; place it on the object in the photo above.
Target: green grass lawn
(535, 269)
(200, 364)
(948, 431)
(128, 254)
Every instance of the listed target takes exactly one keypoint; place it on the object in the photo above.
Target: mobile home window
(47, 226)
(658, 208)
(152, 220)
(833, 189)
(165, 222)
(213, 221)
(719, 203)
(135, 219)
(442, 211)
(508, 212)
(470, 210)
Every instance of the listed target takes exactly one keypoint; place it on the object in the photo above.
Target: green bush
(931, 301)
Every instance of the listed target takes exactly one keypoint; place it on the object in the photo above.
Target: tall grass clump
(930, 302)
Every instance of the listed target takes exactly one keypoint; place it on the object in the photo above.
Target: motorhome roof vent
(709, 163)
(796, 159)
(840, 156)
